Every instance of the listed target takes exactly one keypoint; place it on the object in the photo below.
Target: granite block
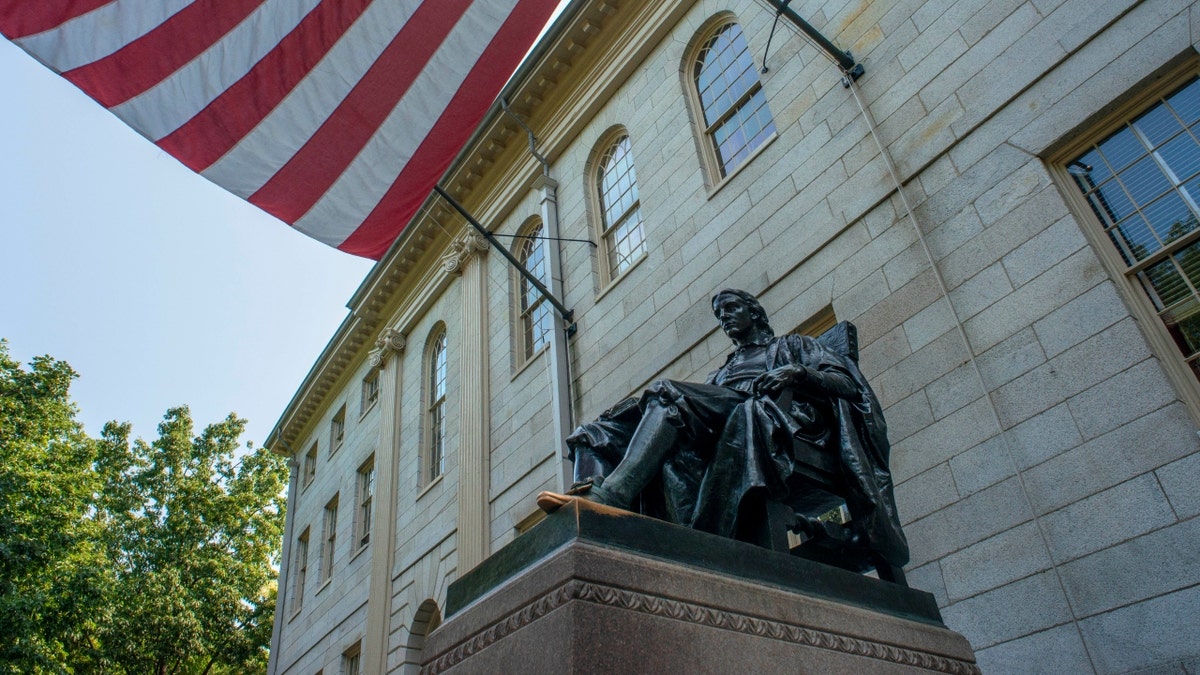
(1150, 565)
(1107, 518)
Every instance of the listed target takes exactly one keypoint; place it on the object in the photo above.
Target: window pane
(1152, 200)
(1186, 102)
(1111, 203)
(1090, 168)
(620, 213)
(1181, 156)
(1166, 283)
(1170, 218)
(437, 407)
(1138, 237)
(1183, 322)
(626, 243)
(735, 131)
(534, 258)
(1144, 180)
(539, 327)
(1158, 124)
(1121, 148)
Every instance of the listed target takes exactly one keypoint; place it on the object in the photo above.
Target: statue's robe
(733, 448)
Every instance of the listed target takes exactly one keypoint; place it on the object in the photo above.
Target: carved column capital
(462, 250)
(390, 340)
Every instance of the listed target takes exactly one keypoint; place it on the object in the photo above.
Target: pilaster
(385, 356)
(466, 260)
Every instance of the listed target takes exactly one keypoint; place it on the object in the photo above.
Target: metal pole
(844, 60)
(567, 314)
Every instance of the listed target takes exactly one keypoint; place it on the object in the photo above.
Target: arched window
(534, 324)
(732, 105)
(618, 206)
(435, 406)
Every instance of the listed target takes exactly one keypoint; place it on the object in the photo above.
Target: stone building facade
(1005, 204)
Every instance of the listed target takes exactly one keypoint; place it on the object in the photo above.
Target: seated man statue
(702, 455)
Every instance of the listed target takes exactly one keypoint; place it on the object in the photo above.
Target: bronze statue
(713, 456)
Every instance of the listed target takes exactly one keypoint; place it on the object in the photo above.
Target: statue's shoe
(586, 490)
(552, 501)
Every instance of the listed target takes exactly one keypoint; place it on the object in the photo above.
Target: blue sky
(158, 287)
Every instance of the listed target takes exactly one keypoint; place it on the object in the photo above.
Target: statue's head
(758, 316)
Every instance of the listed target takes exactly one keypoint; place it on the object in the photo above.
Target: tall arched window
(731, 101)
(435, 406)
(534, 312)
(619, 208)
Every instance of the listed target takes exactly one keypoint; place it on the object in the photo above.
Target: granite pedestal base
(597, 590)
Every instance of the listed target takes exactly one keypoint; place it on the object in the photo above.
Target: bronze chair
(815, 492)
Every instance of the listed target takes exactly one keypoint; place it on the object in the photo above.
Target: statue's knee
(663, 391)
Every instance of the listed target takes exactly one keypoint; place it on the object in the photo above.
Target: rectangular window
(818, 323)
(352, 661)
(300, 571)
(329, 543)
(366, 499)
(337, 429)
(370, 390)
(310, 465)
(1138, 186)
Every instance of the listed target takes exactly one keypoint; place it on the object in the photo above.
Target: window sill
(336, 448)
(529, 361)
(295, 614)
(429, 486)
(324, 584)
(360, 550)
(720, 184)
(621, 277)
(369, 408)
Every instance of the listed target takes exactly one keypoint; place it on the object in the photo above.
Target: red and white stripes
(336, 116)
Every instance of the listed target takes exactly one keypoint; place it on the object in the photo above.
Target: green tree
(120, 556)
(193, 532)
(52, 571)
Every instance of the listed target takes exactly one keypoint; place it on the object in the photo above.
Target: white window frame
(433, 454)
(370, 392)
(628, 221)
(1124, 275)
(300, 571)
(310, 466)
(329, 540)
(364, 502)
(529, 305)
(717, 169)
(337, 430)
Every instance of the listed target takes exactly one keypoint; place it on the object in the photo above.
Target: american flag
(336, 116)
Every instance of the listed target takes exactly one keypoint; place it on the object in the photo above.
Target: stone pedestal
(593, 589)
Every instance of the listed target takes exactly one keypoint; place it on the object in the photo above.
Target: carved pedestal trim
(576, 590)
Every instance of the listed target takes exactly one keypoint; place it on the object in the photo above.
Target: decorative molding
(390, 340)
(602, 594)
(462, 250)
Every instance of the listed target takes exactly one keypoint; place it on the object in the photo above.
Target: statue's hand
(774, 381)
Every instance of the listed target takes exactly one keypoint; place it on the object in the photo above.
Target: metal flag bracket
(851, 69)
(567, 315)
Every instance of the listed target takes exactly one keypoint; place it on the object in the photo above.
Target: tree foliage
(121, 556)
(52, 571)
